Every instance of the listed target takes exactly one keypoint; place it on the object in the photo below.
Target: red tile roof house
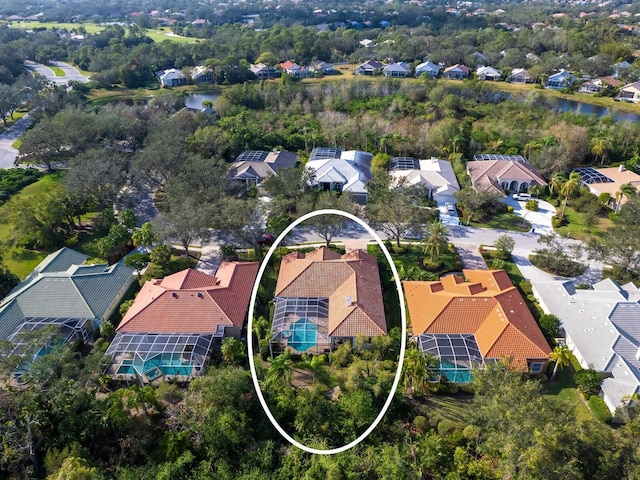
(467, 323)
(505, 173)
(323, 299)
(174, 323)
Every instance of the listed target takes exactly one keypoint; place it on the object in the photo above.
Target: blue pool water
(454, 373)
(304, 335)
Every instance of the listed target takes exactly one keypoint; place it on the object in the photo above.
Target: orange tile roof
(351, 282)
(486, 305)
(193, 302)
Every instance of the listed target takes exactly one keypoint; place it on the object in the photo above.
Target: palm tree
(435, 242)
(281, 369)
(562, 357)
(535, 190)
(626, 189)
(599, 147)
(556, 183)
(569, 189)
(232, 350)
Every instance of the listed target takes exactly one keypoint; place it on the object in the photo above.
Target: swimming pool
(304, 335)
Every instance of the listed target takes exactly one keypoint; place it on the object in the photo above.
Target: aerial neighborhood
(183, 279)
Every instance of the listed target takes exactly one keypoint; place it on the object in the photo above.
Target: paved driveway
(541, 220)
(8, 154)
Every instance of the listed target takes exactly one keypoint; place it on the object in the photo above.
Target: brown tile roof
(351, 282)
(485, 174)
(193, 302)
(487, 305)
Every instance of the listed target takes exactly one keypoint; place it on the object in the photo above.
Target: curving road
(8, 154)
(71, 73)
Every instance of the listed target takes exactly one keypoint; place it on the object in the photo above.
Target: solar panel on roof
(252, 156)
(495, 156)
(324, 153)
(590, 175)
(404, 163)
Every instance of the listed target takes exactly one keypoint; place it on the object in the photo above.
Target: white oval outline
(403, 341)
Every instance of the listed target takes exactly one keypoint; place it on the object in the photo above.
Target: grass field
(563, 391)
(577, 229)
(57, 71)
(157, 34)
(504, 221)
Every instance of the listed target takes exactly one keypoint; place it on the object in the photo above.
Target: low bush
(432, 266)
(526, 287)
(599, 409)
(532, 205)
(510, 209)
(550, 325)
(498, 264)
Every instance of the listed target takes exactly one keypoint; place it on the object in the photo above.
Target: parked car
(266, 240)
(413, 234)
(522, 197)
(450, 207)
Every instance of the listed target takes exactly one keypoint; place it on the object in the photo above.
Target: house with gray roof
(253, 166)
(436, 175)
(602, 329)
(64, 293)
(342, 171)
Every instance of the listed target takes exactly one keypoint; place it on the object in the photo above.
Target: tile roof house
(437, 175)
(602, 329)
(295, 70)
(469, 323)
(63, 292)
(253, 166)
(629, 93)
(560, 80)
(171, 78)
(609, 180)
(370, 67)
(344, 171)
(488, 73)
(520, 75)
(430, 68)
(398, 70)
(323, 298)
(174, 323)
(503, 174)
(456, 72)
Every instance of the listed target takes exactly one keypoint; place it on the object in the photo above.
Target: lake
(195, 100)
(565, 105)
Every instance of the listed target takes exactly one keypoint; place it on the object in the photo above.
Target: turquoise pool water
(455, 373)
(304, 335)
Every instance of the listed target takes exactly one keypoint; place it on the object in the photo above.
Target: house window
(536, 367)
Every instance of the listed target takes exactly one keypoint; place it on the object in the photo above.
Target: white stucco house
(560, 80)
(602, 329)
(342, 171)
(171, 78)
(435, 174)
(629, 93)
(398, 69)
(488, 73)
(430, 68)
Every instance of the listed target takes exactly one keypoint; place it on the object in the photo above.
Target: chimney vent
(349, 301)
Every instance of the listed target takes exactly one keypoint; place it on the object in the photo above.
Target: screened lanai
(300, 324)
(457, 353)
(147, 357)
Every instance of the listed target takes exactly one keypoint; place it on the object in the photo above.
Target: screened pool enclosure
(300, 324)
(148, 357)
(457, 354)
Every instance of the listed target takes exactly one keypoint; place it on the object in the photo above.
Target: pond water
(565, 105)
(195, 100)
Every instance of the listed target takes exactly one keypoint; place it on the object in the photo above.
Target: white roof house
(429, 68)
(346, 171)
(435, 174)
(172, 77)
(398, 69)
(488, 73)
(602, 328)
(520, 75)
(629, 93)
(560, 80)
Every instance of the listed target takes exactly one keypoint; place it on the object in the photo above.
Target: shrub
(421, 423)
(446, 427)
(599, 409)
(588, 381)
(228, 252)
(399, 250)
(532, 205)
(550, 325)
(432, 266)
(510, 209)
(526, 287)
(498, 264)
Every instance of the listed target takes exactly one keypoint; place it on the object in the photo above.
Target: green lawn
(57, 71)
(449, 407)
(575, 227)
(563, 390)
(504, 221)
